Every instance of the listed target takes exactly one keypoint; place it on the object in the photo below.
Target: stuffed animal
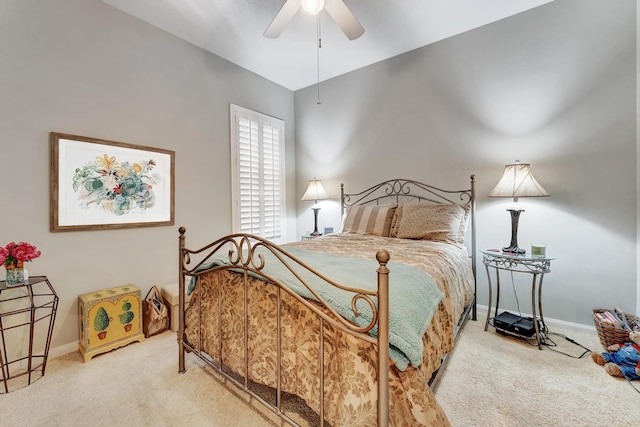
(622, 360)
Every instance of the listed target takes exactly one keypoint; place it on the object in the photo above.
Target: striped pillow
(374, 220)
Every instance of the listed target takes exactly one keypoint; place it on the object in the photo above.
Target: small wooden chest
(109, 319)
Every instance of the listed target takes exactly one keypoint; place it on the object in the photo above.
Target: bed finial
(182, 230)
(383, 256)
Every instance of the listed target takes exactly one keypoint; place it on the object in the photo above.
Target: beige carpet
(490, 381)
(136, 385)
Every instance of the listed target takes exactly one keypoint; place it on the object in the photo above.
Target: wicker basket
(611, 334)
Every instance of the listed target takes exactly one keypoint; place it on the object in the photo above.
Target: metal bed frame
(242, 257)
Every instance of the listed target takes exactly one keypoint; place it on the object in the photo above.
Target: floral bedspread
(349, 362)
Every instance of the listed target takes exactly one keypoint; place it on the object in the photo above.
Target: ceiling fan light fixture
(312, 7)
(336, 9)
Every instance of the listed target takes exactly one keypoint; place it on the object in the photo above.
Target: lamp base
(514, 250)
(513, 246)
(315, 223)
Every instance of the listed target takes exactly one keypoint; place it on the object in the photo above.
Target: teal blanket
(413, 296)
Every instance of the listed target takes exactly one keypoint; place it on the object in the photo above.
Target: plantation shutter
(257, 168)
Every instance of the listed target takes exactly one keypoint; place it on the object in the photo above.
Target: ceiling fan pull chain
(318, 56)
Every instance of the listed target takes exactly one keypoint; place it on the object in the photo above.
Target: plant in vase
(13, 256)
(127, 317)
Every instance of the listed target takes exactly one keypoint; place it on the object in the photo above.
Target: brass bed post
(383, 338)
(473, 247)
(180, 337)
(321, 372)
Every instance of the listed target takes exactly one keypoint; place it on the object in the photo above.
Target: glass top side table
(536, 265)
(27, 316)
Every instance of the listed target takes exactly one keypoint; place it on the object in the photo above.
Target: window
(257, 169)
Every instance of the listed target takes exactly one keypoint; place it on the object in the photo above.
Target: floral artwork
(116, 187)
(98, 184)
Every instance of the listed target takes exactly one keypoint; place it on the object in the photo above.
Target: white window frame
(265, 126)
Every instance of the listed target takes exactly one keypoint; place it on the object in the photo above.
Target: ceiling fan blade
(285, 14)
(344, 18)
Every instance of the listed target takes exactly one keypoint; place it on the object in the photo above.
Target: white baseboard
(578, 327)
(61, 350)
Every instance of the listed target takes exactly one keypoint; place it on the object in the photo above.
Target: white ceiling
(233, 30)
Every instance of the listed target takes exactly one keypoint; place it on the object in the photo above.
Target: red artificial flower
(4, 254)
(14, 253)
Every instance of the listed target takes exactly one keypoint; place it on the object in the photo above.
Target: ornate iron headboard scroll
(406, 190)
(398, 190)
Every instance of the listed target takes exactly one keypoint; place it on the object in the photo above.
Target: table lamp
(315, 191)
(517, 181)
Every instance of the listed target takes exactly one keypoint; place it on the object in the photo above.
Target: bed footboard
(244, 255)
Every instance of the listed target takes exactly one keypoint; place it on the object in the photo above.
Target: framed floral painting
(98, 184)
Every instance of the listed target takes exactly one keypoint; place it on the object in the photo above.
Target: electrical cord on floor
(631, 384)
(545, 339)
(550, 344)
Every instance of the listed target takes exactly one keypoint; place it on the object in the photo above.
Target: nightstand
(536, 266)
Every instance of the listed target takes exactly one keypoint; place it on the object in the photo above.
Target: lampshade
(315, 191)
(518, 181)
(312, 7)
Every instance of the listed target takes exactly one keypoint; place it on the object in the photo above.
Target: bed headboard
(406, 190)
(399, 190)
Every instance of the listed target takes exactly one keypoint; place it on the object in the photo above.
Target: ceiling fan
(335, 8)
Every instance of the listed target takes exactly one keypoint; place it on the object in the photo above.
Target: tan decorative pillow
(443, 223)
(374, 220)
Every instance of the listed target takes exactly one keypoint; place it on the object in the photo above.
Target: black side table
(27, 315)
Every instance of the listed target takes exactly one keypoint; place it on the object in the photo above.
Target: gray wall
(85, 68)
(555, 87)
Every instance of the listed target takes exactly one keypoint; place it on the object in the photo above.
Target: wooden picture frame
(98, 184)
